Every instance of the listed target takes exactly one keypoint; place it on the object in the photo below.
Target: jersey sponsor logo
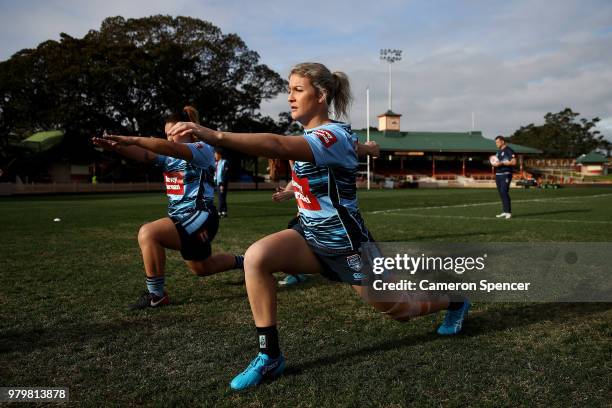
(358, 276)
(199, 145)
(326, 137)
(305, 198)
(174, 183)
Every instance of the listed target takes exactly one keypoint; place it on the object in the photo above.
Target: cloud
(508, 62)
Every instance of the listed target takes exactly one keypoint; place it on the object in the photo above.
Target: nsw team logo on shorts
(354, 262)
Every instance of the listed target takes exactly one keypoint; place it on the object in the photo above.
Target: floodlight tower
(390, 56)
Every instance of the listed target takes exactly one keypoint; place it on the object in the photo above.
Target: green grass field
(65, 285)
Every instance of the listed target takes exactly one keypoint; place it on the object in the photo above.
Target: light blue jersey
(189, 184)
(326, 192)
(221, 172)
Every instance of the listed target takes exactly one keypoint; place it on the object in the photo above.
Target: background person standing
(221, 181)
(503, 174)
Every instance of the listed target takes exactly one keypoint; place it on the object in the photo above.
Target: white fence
(7, 189)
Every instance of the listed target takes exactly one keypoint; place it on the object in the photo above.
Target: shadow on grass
(141, 321)
(479, 324)
(28, 340)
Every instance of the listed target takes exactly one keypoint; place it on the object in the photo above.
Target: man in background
(221, 181)
(503, 175)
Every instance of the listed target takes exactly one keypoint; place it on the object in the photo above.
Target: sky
(504, 63)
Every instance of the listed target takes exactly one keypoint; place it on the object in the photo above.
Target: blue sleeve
(509, 153)
(202, 153)
(160, 160)
(332, 146)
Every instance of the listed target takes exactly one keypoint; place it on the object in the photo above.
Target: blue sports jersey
(189, 181)
(506, 154)
(326, 192)
(221, 172)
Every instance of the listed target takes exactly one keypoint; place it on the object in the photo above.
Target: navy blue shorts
(196, 246)
(338, 266)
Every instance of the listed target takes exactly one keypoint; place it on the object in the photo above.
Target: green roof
(42, 141)
(592, 157)
(390, 113)
(439, 142)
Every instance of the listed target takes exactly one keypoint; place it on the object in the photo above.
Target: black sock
(455, 305)
(267, 338)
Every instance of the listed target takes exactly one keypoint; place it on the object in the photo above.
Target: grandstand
(439, 158)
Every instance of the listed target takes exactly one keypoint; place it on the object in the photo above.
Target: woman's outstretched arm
(151, 144)
(257, 144)
(131, 152)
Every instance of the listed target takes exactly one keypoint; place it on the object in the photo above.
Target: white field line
(535, 200)
(492, 218)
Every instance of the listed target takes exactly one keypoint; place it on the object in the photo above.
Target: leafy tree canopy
(129, 74)
(563, 134)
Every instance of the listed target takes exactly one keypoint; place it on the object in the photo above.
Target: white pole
(473, 122)
(368, 132)
(390, 87)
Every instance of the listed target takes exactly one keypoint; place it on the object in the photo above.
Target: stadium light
(390, 56)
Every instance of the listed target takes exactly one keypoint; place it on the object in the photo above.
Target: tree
(561, 135)
(128, 75)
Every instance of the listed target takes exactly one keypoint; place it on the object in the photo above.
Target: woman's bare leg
(285, 251)
(213, 264)
(153, 238)
(409, 306)
(159, 235)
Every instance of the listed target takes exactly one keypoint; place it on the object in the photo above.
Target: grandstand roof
(438, 142)
(592, 157)
(43, 140)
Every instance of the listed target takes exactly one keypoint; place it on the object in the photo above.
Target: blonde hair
(335, 85)
(192, 113)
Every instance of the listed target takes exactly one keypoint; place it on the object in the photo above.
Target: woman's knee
(254, 257)
(146, 234)
(199, 268)
(257, 259)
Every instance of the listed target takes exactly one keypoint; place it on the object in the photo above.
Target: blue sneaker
(263, 367)
(292, 280)
(453, 321)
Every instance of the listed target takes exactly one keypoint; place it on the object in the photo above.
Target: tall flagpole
(368, 130)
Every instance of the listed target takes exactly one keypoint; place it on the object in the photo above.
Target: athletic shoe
(147, 300)
(508, 215)
(292, 280)
(263, 367)
(502, 215)
(223, 214)
(453, 321)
